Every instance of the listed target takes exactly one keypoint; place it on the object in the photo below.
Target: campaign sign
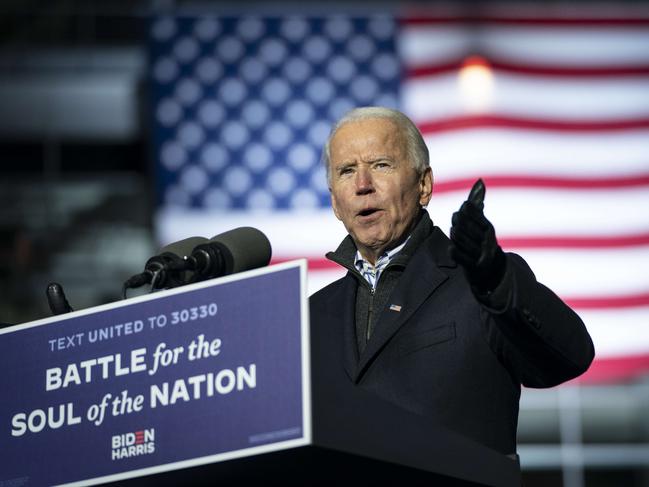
(188, 376)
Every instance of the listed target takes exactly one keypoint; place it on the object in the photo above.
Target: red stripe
(432, 70)
(520, 181)
(609, 302)
(577, 242)
(482, 121)
(615, 369)
(415, 19)
(315, 264)
(323, 265)
(534, 70)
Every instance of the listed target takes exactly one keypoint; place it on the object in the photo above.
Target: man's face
(375, 191)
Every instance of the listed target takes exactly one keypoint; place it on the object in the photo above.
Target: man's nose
(364, 183)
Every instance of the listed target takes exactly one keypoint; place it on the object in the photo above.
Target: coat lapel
(421, 277)
(342, 306)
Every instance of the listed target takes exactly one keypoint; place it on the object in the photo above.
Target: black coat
(443, 354)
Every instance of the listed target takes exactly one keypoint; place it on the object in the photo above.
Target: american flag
(550, 107)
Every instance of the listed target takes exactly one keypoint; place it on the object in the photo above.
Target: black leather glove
(474, 245)
(56, 299)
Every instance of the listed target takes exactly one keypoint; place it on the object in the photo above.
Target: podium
(210, 384)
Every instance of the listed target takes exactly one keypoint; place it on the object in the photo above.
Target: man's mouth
(368, 212)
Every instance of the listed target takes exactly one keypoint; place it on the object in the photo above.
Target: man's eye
(381, 165)
(345, 170)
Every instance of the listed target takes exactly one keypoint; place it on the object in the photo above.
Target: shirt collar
(371, 272)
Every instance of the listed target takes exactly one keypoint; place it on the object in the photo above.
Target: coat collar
(424, 257)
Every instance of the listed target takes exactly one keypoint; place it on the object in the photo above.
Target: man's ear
(426, 187)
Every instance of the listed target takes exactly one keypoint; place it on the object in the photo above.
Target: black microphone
(236, 250)
(56, 299)
(168, 268)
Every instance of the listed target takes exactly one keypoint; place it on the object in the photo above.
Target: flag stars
(243, 105)
(207, 29)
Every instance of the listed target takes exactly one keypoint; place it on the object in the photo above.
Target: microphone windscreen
(183, 247)
(243, 248)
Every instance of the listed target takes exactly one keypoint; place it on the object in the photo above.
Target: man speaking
(449, 329)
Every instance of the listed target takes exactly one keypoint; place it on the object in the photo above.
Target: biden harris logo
(133, 444)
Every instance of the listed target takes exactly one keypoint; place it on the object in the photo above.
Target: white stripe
(291, 234)
(619, 331)
(543, 212)
(320, 278)
(458, 154)
(438, 97)
(433, 44)
(575, 46)
(591, 273)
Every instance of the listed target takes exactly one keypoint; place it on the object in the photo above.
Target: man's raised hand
(474, 245)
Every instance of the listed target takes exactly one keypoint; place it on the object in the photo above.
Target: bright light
(476, 84)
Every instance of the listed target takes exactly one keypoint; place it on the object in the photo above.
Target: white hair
(415, 145)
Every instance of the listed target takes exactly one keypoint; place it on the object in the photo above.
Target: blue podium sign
(189, 376)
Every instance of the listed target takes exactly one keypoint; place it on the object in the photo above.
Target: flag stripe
(615, 369)
(423, 45)
(580, 242)
(594, 71)
(640, 19)
(529, 181)
(539, 153)
(554, 213)
(448, 96)
(590, 272)
(626, 337)
(558, 125)
(602, 302)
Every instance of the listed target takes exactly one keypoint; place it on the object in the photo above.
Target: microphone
(168, 268)
(56, 299)
(236, 250)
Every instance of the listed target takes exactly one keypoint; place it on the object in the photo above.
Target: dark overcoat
(437, 351)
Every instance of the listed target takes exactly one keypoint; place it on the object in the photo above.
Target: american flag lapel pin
(395, 307)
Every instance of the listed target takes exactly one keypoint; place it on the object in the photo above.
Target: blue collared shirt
(370, 272)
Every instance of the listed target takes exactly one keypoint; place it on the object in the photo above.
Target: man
(445, 328)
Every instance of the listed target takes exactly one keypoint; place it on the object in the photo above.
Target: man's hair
(415, 146)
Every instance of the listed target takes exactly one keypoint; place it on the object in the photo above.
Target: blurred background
(127, 125)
